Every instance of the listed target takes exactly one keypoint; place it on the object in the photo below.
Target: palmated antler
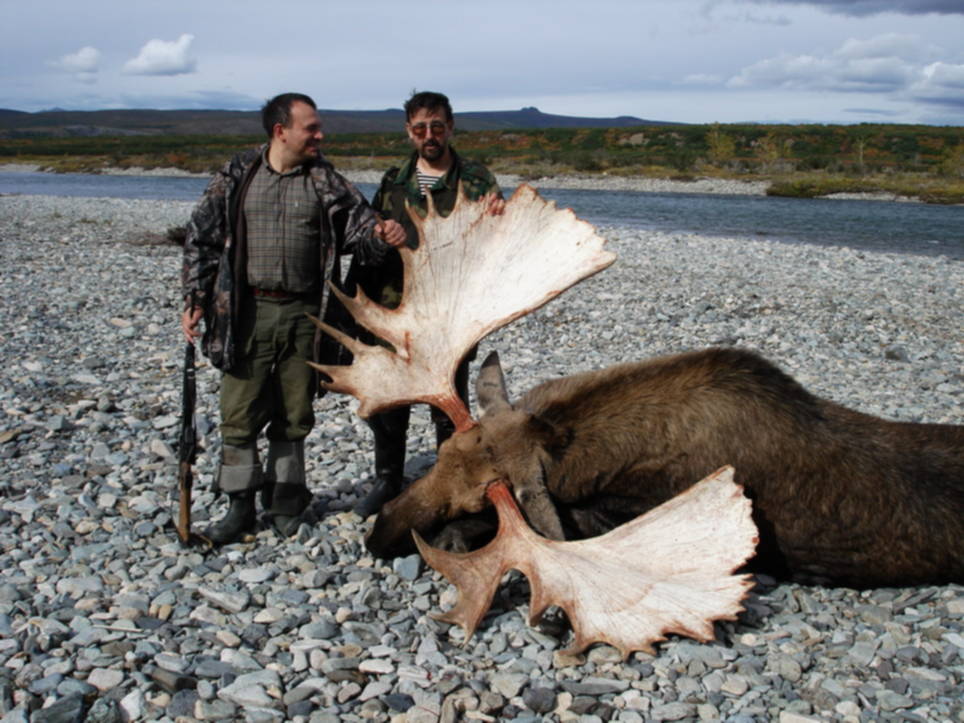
(668, 571)
(471, 274)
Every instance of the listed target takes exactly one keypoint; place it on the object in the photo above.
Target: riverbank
(100, 604)
(599, 182)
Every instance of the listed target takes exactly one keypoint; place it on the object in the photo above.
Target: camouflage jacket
(383, 282)
(214, 275)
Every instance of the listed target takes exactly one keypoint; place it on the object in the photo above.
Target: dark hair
(278, 110)
(427, 100)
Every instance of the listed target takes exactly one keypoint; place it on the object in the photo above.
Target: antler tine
(374, 317)
(349, 342)
(668, 571)
(448, 304)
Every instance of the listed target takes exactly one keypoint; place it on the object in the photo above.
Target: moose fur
(839, 496)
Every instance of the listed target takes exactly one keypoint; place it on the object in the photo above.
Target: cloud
(702, 79)
(941, 84)
(161, 57)
(883, 113)
(885, 63)
(861, 8)
(897, 67)
(83, 64)
(887, 45)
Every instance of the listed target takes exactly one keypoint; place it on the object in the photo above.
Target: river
(873, 225)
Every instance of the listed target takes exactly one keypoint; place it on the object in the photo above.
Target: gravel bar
(103, 614)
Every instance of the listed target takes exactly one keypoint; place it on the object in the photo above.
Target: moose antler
(471, 274)
(668, 571)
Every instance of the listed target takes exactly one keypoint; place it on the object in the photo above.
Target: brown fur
(839, 496)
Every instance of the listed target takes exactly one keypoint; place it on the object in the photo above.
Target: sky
(690, 61)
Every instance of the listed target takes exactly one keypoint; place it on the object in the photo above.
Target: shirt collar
(297, 170)
(407, 171)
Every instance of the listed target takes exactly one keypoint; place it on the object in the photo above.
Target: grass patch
(930, 189)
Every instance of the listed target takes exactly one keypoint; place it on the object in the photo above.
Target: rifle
(187, 450)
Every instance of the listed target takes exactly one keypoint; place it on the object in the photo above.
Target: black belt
(272, 294)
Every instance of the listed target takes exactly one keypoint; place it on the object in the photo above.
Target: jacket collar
(407, 170)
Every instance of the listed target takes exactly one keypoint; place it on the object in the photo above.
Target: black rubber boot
(239, 476)
(288, 503)
(239, 520)
(390, 429)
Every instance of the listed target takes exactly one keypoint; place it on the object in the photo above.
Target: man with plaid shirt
(261, 244)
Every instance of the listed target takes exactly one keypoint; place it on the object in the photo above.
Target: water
(875, 225)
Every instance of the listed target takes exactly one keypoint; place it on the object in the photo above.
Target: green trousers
(271, 384)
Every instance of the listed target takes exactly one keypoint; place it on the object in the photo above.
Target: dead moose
(839, 497)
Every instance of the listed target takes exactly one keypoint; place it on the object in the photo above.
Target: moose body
(839, 496)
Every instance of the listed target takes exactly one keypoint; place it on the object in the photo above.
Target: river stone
(84, 542)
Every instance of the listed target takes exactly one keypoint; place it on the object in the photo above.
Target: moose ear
(490, 386)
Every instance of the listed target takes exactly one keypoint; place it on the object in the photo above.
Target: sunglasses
(436, 128)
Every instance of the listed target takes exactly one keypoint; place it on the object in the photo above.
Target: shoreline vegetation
(887, 162)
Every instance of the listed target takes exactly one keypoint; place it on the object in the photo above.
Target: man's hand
(494, 206)
(391, 232)
(189, 323)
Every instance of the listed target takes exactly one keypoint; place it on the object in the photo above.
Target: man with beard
(433, 168)
(260, 246)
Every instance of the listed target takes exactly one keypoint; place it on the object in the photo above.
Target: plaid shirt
(282, 215)
(214, 269)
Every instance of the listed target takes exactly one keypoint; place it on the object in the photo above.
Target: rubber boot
(390, 429)
(285, 495)
(289, 502)
(239, 477)
(239, 520)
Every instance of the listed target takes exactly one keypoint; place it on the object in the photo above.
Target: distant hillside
(64, 123)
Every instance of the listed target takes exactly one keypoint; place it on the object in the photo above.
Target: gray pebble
(97, 590)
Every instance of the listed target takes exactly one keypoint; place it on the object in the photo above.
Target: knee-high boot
(285, 496)
(390, 429)
(239, 476)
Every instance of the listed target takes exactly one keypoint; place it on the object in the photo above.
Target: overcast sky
(696, 61)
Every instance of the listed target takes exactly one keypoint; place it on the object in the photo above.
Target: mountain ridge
(66, 123)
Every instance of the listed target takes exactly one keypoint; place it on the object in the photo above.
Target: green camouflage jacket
(213, 275)
(382, 283)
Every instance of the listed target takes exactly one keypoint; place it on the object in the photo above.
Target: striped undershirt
(425, 181)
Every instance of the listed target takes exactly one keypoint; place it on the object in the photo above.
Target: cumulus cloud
(887, 45)
(899, 67)
(162, 57)
(83, 64)
(885, 63)
(861, 8)
(940, 83)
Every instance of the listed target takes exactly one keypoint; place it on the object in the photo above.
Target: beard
(432, 150)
